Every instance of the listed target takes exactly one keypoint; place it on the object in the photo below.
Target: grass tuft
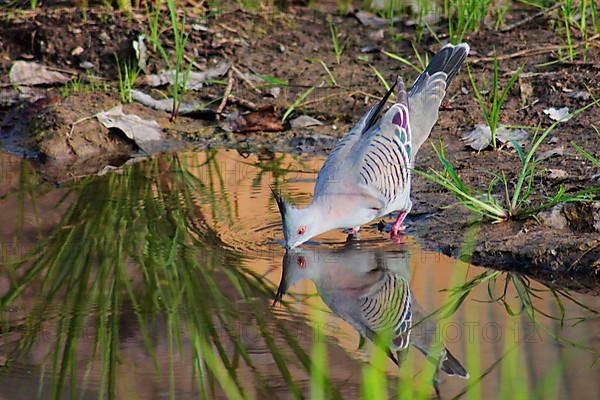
(521, 203)
(492, 105)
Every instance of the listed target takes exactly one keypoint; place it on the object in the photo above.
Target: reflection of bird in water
(369, 289)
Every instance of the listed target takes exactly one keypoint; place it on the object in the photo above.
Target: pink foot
(398, 227)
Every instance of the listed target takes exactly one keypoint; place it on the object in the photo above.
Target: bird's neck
(327, 214)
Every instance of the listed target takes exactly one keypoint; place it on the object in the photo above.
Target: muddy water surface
(158, 281)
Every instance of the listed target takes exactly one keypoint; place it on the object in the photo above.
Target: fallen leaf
(558, 114)
(11, 97)
(481, 137)
(195, 79)
(31, 73)
(304, 121)
(558, 151)
(145, 133)
(192, 108)
(507, 135)
(260, 120)
(583, 95)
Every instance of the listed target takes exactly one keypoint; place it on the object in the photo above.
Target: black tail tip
(451, 366)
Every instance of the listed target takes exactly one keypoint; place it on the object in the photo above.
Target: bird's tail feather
(452, 366)
(448, 60)
(402, 96)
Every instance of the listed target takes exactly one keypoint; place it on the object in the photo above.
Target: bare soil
(286, 44)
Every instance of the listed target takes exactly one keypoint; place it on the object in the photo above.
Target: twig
(244, 78)
(71, 132)
(244, 103)
(78, 122)
(529, 52)
(194, 63)
(530, 18)
(227, 92)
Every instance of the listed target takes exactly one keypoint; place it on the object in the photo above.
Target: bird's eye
(301, 262)
(301, 230)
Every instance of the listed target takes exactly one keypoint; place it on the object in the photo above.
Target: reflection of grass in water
(137, 240)
(513, 370)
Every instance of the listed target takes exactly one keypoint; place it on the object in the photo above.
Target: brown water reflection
(196, 270)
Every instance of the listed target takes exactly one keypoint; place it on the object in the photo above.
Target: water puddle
(159, 281)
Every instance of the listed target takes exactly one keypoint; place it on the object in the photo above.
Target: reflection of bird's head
(295, 266)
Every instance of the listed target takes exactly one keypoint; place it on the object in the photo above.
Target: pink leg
(398, 227)
(353, 231)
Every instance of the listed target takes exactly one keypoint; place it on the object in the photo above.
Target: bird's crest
(284, 210)
(374, 116)
(281, 203)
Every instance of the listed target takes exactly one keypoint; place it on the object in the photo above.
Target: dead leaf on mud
(304, 121)
(481, 137)
(260, 120)
(558, 151)
(192, 109)
(581, 94)
(10, 97)
(558, 114)
(195, 79)
(30, 73)
(145, 133)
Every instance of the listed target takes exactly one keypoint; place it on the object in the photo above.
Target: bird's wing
(378, 161)
(429, 89)
(388, 309)
(331, 169)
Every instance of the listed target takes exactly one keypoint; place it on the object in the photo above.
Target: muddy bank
(560, 257)
(58, 128)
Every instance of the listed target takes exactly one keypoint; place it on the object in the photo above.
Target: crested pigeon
(368, 173)
(370, 290)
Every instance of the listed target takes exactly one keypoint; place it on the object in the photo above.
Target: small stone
(104, 37)
(554, 217)
(86, 65)
(275, 91)
(557, 174)
(304, 121)
(558, 114)
(377, 35)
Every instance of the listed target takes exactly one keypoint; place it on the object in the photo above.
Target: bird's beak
(290, 246)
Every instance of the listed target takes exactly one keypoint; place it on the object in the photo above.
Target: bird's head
(299, 224)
